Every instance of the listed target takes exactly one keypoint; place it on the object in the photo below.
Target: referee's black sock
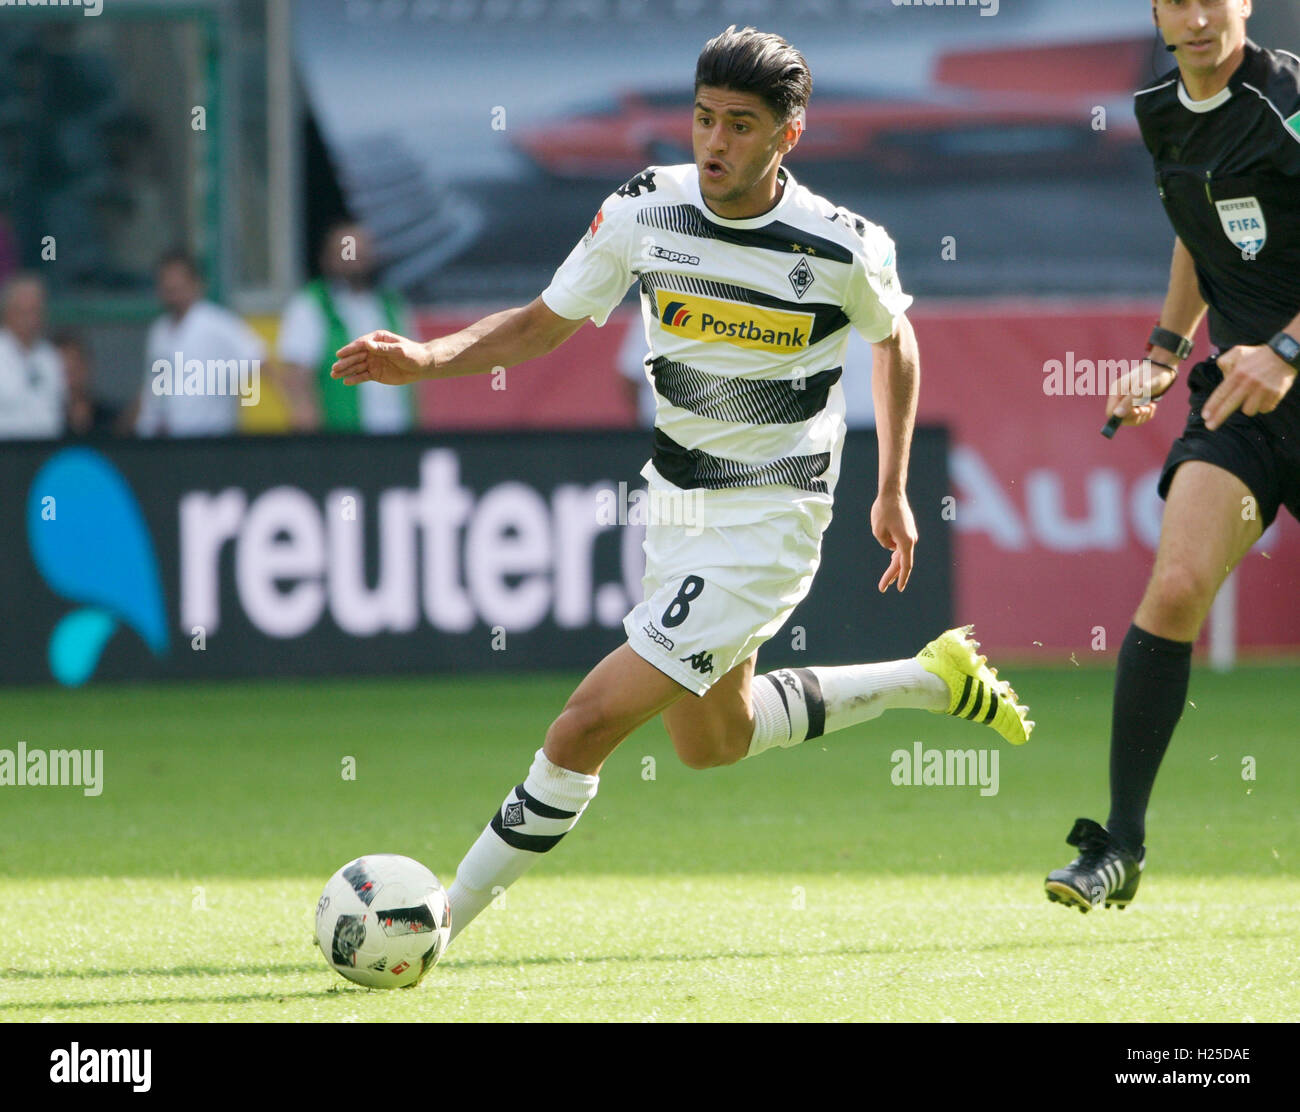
(1150, 690)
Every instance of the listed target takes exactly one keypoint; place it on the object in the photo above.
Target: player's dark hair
(750, 61)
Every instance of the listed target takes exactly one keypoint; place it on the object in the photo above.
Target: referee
(1223, 129)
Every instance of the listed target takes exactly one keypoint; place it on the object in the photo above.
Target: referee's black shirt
(1228, 172)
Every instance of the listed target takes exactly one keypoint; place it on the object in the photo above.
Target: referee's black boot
(1102, 873)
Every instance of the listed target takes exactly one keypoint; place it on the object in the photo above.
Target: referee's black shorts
(1262, 451)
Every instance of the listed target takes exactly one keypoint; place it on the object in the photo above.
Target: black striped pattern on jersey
(687, 220)
(690, 468)
(827, 319)
(754, 401)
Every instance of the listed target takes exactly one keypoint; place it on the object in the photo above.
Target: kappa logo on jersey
(712, 320)
(701, 662)
(596, 223)
(1243, 223)
(801, 277)
(657, 252)
(644, 180)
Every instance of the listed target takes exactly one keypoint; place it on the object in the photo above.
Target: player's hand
(1133, 395)
(894, 527)
(1255, 380)
(380, 356)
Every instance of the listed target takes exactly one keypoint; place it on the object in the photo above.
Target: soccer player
(1224, 131)
(749, 283)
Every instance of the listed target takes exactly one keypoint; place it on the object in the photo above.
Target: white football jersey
(747, 322)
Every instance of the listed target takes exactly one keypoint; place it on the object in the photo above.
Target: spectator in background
(31, 373)
(86, 414)
(343, 302)
(192, 328)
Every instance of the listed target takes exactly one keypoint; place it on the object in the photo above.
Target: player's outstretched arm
(895, 384)
(499, 340)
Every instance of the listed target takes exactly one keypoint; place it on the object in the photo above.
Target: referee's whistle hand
(1131, 398)
(1255, 380)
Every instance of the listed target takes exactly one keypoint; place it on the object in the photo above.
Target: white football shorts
(714, 594)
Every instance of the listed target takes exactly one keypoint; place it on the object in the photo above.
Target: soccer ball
(383, 921)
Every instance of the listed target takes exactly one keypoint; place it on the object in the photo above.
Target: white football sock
(793, 704)
(531, 821)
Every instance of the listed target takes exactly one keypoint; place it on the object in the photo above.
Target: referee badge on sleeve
(1243, 224)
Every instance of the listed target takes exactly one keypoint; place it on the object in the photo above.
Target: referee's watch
(1181, 346)
(1286, 348)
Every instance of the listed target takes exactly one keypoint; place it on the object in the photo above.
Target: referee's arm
(1255, 380)
(895, 382)
(1182, 312)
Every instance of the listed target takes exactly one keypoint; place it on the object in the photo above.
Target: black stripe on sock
(965, 694)
(540, 809)
(780, 690)
(973, 713)
(813, 701)
(993, 707)
(533, 843)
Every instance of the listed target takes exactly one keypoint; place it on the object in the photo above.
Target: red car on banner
(974, 120)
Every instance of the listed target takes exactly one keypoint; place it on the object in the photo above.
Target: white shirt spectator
(303, 331)
(32, 389)
(206, 332)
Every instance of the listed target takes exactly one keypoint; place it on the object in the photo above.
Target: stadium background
(476, 138)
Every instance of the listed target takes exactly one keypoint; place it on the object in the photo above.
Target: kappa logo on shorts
(655, 635)
(514, 815)
(701, 662)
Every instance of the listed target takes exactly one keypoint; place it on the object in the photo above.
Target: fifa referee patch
(1243, 223)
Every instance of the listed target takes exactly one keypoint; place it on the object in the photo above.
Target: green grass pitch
(802, 885)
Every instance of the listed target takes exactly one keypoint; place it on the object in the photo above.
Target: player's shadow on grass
(230, 998)
(845, 951)
(171, 971)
